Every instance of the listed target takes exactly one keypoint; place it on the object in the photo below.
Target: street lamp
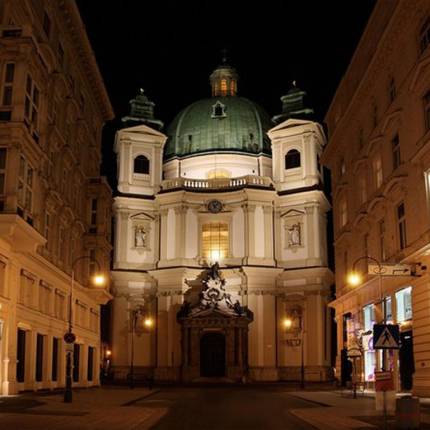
(98, 279)
(148, 322)
(294, 322)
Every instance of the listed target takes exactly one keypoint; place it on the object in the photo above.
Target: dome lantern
(224, 79)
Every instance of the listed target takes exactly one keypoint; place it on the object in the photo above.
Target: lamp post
(147, 323)
(69, 337)
(294, 322)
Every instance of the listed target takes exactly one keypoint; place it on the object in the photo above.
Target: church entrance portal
(214, 330)
(212, 355)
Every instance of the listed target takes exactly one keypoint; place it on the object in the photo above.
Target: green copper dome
(219, 124)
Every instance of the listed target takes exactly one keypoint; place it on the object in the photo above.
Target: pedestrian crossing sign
(386, 336)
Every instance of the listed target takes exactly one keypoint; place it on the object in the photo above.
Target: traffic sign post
(386, 336)
(384, 381)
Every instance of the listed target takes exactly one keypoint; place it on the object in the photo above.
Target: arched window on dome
(218, 110)
(141, 165)
(292, 159)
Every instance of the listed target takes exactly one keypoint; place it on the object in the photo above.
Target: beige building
(223, 185)
(54, 206)
(379, 156)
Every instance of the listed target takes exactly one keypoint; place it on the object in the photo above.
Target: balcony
(218, 184)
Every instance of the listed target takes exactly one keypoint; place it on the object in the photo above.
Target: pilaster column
(311, 233)
(268, 231)
(249, 211)
(180, 215)
(163, 227)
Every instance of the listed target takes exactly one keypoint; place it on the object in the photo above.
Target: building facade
(379, 156)
(54, 205)
(220, 234)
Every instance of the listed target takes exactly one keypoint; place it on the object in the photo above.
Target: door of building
(406, 360)
(212, 355)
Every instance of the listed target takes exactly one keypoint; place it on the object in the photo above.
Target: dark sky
(169, 48)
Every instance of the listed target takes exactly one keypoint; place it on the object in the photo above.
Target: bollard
(408, 413)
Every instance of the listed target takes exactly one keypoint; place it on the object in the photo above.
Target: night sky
(170, 48)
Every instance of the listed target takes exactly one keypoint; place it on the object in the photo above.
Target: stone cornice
(82, 44)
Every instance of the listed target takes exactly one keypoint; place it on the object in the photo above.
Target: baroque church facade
(220, 254)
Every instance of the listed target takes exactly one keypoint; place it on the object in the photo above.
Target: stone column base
(421, 383)
(267, 374)
(312, 373)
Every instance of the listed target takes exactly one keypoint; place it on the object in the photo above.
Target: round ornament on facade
(214, 206)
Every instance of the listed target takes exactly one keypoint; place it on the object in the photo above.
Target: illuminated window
(141, 165)
(223, 87)
(233, 88)
(292, 159)
(213, 174)
(215, 241)
(404, 304)
(425, 35)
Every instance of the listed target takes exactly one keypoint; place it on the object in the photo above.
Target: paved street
(269, 407)
(227, 408)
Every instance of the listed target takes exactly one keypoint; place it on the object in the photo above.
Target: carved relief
(294, 235)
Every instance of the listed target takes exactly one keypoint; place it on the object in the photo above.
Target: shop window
(20, 356)
(76, 361)
(39, 357)
(404, 304)
(292, 159)
(90, 369)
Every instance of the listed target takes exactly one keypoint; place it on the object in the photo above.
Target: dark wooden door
(212, 355)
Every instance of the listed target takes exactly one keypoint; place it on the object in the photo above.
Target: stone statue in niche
(294, 235)
(140, 237)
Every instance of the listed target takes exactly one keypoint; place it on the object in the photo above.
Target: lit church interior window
(292, 159)
(141, 165)
(223, 87)
(215, 241)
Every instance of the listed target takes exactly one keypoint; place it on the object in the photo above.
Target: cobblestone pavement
(227, 408)
(252, 407)
(94, 409)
